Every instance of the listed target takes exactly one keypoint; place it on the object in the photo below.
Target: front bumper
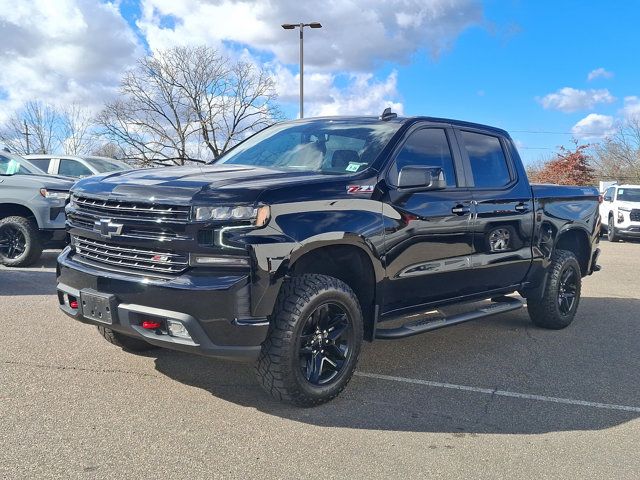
(213, 308)
(631, 230)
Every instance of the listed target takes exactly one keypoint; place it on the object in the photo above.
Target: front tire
(314, 341)
(20, 242)
(125, 342)
(557, 308)
(611, 231)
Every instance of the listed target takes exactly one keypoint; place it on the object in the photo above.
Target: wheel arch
(10, 209)
(576, 240)
(352, 262)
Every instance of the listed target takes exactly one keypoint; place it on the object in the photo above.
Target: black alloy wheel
(325, 344)
(567, 290)
(13, 242)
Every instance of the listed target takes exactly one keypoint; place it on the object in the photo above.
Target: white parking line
(500, 393)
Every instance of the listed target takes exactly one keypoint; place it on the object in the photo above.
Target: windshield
(102, 165)
(629, 194)
(322, 146)
(11, 164)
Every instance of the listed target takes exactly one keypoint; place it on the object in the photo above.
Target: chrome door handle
(521, 207)
(460, 210)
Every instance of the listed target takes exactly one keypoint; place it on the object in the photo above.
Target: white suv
(74, 166)
(620, 212)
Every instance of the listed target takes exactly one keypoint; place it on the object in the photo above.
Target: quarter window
(427, 147)
(488, 162)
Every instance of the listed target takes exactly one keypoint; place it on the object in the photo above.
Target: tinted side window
(41, 163)
(608, 194)
(73, 169)
(488, 162)
(427, 147)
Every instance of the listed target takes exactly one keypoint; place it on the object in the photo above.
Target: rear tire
(314, 341)
(611, 230)
(20, 242)
(558, 306)
(125, 342)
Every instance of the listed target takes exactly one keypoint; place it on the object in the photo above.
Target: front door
(428, 238)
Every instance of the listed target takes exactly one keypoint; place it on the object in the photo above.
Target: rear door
(428, 239)
(504, 216)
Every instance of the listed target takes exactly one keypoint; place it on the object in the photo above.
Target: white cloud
(363, 96)
(569, 99)
(631, 109)
(62, 52)
(356, 36)
(594, 126)
(599, 73)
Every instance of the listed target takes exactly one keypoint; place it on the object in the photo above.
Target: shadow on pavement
(595, 359)
(38, 279)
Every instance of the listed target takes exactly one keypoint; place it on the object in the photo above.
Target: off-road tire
(125, 342)
(611, 230)
(33, 242)
(546, 312)
(278, 367)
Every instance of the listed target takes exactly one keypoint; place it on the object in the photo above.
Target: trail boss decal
(356, 189)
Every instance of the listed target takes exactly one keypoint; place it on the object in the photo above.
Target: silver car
(32, 212)
(76, 166)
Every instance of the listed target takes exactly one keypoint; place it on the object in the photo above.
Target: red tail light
(73, 304)
(600, 199)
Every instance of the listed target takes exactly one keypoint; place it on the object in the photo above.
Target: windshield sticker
(355, 189)
(353, 166)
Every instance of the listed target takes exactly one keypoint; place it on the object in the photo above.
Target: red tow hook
(151, 324)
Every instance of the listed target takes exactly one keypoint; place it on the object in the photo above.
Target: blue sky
(538, 48)
(519, 65)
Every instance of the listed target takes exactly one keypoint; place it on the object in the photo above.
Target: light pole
(291, 26)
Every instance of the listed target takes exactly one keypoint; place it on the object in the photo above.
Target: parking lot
(494, 398)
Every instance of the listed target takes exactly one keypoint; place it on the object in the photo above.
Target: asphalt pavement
(496, 398)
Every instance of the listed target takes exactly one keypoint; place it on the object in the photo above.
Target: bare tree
(76, 130)
(32, 129)
(186, 103)
(618, 156)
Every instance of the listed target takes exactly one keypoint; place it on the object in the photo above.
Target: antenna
(387, 114)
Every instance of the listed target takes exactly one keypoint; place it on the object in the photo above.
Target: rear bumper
(213, 309)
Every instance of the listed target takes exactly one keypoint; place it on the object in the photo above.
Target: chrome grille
(635, 215)
(130, 258)
(137, 210)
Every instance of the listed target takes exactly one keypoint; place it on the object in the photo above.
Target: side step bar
(498, 305)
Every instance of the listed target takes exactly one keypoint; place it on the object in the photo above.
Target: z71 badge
(355, 189)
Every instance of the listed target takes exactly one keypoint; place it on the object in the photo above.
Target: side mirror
(418, 179)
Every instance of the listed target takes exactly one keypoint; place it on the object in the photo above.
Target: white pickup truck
(620, 212)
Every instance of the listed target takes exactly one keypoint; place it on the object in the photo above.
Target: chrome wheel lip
(326, 344)
(13, 242)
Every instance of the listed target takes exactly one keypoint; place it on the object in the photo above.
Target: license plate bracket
(98, 307)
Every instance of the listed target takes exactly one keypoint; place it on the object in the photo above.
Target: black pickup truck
(314, 235)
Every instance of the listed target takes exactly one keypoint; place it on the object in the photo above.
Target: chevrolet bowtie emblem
(106, 228)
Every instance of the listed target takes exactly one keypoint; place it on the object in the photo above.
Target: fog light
(177, 329)
(620, 217)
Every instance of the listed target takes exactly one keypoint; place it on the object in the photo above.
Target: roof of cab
(403, 120)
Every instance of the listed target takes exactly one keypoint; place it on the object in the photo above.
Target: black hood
(219, 183)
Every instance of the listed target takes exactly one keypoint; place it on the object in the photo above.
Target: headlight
(258, 216)
(624, 209)
(54, 194)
